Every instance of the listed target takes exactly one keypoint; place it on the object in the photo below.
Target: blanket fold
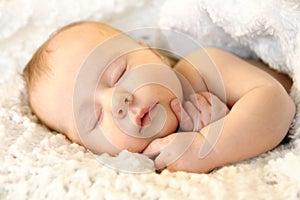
(268, 30)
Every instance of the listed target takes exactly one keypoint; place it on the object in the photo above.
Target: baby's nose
(121, 104)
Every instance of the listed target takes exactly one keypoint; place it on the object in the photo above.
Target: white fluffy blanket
(39, 164)
(268, 30)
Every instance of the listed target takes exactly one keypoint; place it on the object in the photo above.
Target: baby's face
(107, 97)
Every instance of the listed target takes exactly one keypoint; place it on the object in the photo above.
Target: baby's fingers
(173, 148)
(204, 107)
(185, 121)
(218, 108)
(156, 148)
(195, 115)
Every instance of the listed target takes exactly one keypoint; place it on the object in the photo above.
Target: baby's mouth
(147, 116)
(145, 120)
(151, 121)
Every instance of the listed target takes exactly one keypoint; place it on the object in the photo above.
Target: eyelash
(98, 117)
(119, 75)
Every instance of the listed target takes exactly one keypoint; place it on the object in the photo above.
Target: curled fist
(198, 111)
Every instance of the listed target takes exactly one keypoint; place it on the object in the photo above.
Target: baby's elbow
(284, 109)
(292, 107)
(286, 102)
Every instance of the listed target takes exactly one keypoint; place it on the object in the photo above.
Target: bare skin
(248, 129)
(284, 79)
(261, 112)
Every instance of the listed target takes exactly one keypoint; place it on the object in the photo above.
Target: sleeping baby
(109, 93)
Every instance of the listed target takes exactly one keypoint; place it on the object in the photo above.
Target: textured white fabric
(39, 164)
(268, 30)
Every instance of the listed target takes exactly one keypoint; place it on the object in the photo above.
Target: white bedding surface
(39, 164)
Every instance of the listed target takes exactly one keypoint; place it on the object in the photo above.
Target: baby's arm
(260, 116)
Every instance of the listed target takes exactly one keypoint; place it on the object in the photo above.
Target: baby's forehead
(85, 32)
(77, 42)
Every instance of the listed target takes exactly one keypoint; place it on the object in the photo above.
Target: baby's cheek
(171, 124)
(124, 141)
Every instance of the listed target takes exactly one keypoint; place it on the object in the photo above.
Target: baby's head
(117, 104)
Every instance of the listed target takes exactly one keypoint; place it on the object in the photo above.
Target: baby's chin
(139, 140)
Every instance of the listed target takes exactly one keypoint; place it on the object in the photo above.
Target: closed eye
(118, 74)
(98, 113)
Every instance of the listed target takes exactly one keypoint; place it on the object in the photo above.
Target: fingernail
(175, 104)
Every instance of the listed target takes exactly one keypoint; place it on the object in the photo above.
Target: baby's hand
(180, 152)
(200, 110)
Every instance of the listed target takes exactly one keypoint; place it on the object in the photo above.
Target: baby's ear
(165, 60)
